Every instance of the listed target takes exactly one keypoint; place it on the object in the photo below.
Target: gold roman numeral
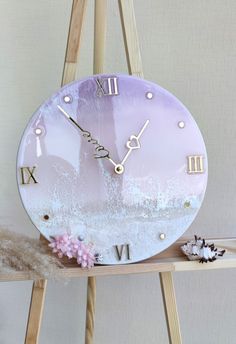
(107, 86)
(122, 250)
(195, 164)
(27, 175)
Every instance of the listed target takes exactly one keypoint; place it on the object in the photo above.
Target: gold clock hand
(86, 134)
(133, 142)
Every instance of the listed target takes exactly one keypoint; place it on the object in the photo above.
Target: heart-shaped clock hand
(101, 151)
(132, 144)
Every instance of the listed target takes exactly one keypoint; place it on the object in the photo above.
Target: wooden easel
(126, 9)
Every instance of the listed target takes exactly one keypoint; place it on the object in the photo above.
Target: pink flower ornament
(71, 247)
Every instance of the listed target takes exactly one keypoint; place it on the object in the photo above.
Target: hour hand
(100, 151)
(134, 143)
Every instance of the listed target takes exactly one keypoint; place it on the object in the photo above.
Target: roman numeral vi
(122, 250)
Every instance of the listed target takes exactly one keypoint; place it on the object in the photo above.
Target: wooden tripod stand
(162, 265)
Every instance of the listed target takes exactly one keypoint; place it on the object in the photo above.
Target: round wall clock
(114, 160)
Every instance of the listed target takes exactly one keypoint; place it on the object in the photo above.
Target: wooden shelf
(171, 259)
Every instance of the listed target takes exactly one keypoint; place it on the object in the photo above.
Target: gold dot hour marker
(187, 204)
(46, 217)
(181, 124)
(149, 95)
(67, 98)
(38, 131)
(162, 236)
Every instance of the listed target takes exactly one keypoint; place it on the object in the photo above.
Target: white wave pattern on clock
(84, 196)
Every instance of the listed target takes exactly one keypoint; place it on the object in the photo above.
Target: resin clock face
(115, 160)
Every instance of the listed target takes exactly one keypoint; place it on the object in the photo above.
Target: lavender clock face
(115, 160)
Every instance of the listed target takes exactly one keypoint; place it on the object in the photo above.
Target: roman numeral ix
(107, 86)
(122, 250)
(27, 175)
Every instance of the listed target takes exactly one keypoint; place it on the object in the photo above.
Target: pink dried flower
(67, 245)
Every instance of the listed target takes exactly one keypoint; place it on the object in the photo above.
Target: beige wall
(188, 47)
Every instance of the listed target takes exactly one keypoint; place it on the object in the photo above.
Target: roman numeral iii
(122, 250)
(195, 164)
(107, 86)
(27, 175)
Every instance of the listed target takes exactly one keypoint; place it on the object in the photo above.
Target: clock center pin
(119, 169)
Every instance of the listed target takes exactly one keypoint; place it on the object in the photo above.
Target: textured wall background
(188, 47)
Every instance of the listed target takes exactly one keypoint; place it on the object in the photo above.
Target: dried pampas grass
(21, 253)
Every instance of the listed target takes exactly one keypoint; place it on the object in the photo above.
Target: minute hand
(87, 135)
(133, 142)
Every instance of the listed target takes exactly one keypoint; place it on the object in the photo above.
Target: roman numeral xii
(107, 86)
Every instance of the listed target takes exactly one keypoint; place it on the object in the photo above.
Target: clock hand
(133, 143)
(86, 134)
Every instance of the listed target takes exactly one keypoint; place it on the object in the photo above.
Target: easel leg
(170, 305)
(100, 21)
(74, 39)
(100, 24)
(90, 312)
(35, 311)
(130, 35)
